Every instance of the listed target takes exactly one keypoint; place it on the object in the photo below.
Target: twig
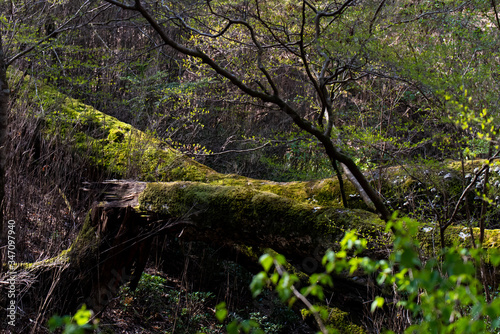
(231, 151)
(466, 190)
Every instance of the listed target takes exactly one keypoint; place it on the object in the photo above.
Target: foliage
(444, 294)
(153, 299)
(387, 69)
(383, 81)
(80, 323)
(302, 160)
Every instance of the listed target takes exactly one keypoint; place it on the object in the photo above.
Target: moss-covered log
(257, 218)
(128, 153)
(113, 245)
(224, 216)
(177, 194)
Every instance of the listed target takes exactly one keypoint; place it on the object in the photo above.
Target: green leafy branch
(443, 294)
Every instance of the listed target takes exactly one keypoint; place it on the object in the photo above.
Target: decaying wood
(123, 251)
(117, 193)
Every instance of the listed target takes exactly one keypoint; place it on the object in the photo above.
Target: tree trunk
(4, 114)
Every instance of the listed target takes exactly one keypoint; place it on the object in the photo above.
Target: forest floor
(168, 304)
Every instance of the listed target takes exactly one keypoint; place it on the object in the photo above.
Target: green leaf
(317, 291)
(495, 257)
(329, 257)
(280, 259)
(82, 316)
(275, 278)
(55, 322)
(232, 328)
(266, 261)
(409, 258)
(377, 303)
(258, 283)
(221, 311)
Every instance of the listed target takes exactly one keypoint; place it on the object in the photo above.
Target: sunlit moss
(262, 216)
(337, 319)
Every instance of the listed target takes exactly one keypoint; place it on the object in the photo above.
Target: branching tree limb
(318, 80)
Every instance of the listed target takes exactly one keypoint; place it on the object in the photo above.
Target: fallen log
(298, 219)
(113, 245)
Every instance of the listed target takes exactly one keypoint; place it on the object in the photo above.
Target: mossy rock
(421, 190)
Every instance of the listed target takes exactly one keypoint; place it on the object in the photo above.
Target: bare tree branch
(62, 28)
(332, 151)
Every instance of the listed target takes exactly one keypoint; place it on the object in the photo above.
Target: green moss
(469, 165)
(109, 143)
(337, 319)
(193, 172)
(430, 241)
(225, 206)
(319, 192)
(55, 261)
(418, 189)
(491, 238)
(116, 135)
(86, 241)
(259, 214)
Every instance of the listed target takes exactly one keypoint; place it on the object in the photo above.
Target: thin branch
(231, 151)
(376, 14)
(493, 4)
(336, 13)
(311, 6)
(304, 300)
(420, 90)
(416, 18)
(201, 33)
(302, 48)
(9, 61)
(350, 79)
(122, 5)
(286, 46)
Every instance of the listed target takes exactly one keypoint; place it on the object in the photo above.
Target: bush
(443, 294)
